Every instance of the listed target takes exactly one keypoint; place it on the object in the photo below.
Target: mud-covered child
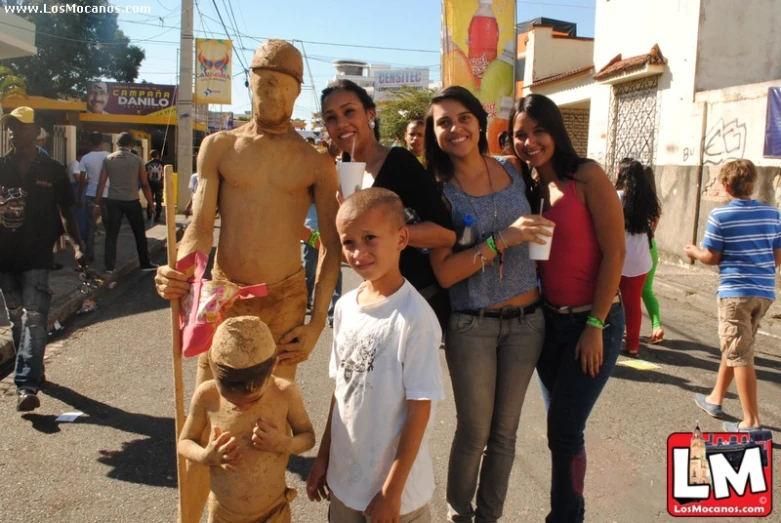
(374, 462)
(248, 411)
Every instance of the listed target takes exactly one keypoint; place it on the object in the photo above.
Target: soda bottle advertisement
(478, 53)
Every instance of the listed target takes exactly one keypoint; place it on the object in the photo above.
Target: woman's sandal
(657, 336)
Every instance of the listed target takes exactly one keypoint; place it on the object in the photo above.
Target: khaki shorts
(338, 512)
(738, 324)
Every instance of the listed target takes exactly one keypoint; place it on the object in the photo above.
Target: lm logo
(719, 474)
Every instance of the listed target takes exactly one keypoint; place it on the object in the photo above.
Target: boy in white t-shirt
(374, 462)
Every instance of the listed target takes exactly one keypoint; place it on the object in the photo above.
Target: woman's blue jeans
(491, 361)
(569, 396)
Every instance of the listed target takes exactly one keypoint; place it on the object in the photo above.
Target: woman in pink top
(584, 319)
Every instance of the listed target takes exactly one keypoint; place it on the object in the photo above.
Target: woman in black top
(351, 121)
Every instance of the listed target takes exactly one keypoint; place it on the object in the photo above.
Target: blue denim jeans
(491, 361)
(569, 396)
(27, 298)
(310, 270)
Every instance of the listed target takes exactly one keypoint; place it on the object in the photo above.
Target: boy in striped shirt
(744, 239)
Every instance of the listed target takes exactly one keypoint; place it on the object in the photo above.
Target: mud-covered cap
(281, 56)
(241, 342)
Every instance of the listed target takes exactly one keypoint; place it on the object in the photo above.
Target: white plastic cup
(541, 252)
(350, 176)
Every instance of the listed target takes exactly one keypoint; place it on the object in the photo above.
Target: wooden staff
(176, 345)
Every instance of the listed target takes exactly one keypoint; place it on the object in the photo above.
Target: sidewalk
(66, 286)
(697, 287)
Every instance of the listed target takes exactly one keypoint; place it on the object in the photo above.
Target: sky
(402, 33)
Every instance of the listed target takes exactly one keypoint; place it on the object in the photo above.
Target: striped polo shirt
(745, 232)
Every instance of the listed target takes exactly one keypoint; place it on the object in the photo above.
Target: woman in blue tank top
(495, 333)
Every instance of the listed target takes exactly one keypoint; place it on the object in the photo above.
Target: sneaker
(27, 401)
(149, 267)
(711, 408)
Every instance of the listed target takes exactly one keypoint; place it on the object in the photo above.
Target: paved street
(116, 463)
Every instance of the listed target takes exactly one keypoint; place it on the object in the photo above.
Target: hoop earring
(372, 125)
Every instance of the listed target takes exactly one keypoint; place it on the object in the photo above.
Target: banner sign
(213, 71)
(478, 53)
(132, 99)
(220, 121)
(773, 123)
(390, 80)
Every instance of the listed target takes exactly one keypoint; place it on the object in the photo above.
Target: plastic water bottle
(469, 234)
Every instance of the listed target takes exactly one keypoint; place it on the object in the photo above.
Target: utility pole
(184, 105)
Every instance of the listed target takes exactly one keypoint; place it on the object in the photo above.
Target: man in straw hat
(264, 177)
(248, 411)
(35, 194)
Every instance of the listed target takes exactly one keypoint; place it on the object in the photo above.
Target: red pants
(631, 295)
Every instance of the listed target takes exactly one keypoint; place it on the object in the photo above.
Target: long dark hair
(438, 163)
(641, 206)
(360, 92)
(547, 115)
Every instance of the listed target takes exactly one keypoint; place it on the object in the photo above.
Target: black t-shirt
(403, 174)
(154, 170)
(30, 207)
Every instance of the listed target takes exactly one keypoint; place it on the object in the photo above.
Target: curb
(65, 306)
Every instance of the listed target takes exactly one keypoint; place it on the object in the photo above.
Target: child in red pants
(641, 210)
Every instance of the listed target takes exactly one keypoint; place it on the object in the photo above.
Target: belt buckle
(505, 313)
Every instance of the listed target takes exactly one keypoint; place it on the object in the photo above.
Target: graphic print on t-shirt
(358, 360)
(155, 171)
(13, 201)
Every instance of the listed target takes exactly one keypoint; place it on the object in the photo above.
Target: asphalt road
(116, 462)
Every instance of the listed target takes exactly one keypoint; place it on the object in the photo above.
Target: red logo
(719, 474)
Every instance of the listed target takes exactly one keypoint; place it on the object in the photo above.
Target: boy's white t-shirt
(384, 354)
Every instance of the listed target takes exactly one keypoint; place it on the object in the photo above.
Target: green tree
(74, 49)
(10, 84)
(408, 103)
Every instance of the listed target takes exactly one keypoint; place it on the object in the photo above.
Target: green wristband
(313, 239)
(595, 322)
(492, 244)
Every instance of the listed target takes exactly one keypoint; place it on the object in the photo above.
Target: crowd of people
(441, 234)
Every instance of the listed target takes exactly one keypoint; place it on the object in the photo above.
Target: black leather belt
(505, 313)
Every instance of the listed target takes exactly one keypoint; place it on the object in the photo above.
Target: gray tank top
(123, 168)
(483, 288)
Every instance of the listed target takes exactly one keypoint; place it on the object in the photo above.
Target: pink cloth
(203, 309)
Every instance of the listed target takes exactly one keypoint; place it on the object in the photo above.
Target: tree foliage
(74, 49)
(10, 84)
(408, 103)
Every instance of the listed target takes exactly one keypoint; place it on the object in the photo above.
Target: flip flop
(656, 339)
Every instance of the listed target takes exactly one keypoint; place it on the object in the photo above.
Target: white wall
(735, 126)
(632, 27)
(576, 91)
(547, 56)
(738, 43)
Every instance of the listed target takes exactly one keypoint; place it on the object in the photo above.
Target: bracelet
(492, 244)
(501, 237)
(480, 255)
(595, 322)
(313, 239)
